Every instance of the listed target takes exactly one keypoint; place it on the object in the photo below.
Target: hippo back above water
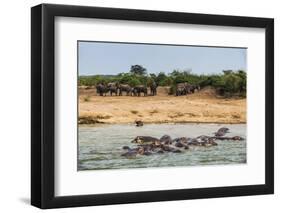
(166, 139)
(145, 139)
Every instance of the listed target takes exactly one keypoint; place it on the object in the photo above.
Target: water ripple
(100, 147)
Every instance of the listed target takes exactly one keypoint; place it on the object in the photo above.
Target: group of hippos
(147, 145)
(119, 89)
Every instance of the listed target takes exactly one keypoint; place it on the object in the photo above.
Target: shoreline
(171, 123)
(201, 107)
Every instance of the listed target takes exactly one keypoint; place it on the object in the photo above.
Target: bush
(227, 83)
(232, 83)
(134, 82)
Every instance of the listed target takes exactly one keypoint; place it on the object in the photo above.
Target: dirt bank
(203, 107)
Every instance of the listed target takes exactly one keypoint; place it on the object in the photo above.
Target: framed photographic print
(139, 106)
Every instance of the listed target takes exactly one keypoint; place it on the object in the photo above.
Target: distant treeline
(227, 83)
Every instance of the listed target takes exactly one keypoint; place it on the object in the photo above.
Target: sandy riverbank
(201, 107)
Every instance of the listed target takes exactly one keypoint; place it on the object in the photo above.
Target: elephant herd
(120, 89)
(186, 88)
(139, 90)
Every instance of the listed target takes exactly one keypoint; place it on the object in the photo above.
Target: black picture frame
(43, 105)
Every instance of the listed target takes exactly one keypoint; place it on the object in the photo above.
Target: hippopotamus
(193, 142)
(131, 153)
(160, 152)
(169, 148)
(221, 132)
(181, 145)
(145, 139)
(223, 129)
(139, 123)
(176, 151)
(166, 139)
(203, 138)
(212, 142)
(181, 142)
(147, 147)
(143, 151)
(181, 139)
(237, 138)
(156, 144)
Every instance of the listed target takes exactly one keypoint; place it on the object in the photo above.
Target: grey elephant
(140, 89)
(124, 88)
(102, 89)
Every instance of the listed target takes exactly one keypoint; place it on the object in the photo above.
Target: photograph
(146, 105)
(171, 105)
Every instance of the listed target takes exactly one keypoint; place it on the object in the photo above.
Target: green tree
(243, 80)
(137, 70)
(232, 83)
(134, 82)
(161, 78)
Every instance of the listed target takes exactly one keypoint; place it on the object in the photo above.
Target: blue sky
(113, 58)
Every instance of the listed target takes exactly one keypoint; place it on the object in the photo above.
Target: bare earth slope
(202, 107)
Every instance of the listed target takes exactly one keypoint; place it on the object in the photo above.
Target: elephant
(124, 88)
(140, 89)
(102, 89)
(186, 88)
(191, 88)
(111, 84)
(181, 89)
(197, 87)
(153, 89)
(112, 87)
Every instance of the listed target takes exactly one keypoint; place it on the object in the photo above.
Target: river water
(100, 146)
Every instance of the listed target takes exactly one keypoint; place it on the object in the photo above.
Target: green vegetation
(138, 70)
(227, 83)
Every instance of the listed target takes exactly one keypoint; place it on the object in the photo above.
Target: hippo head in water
(145, 139)
(181, 140)
(211, 142)
(166, 139)
(221, 132)
(237, 138)
(126, 148)
(223, 129)
(139, 123)
(140, 151)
